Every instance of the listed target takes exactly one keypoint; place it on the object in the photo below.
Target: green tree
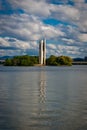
(61, 60)
(22, 61)
(51, 60)
(8, 62)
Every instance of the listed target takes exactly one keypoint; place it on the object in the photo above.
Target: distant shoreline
(79, 63)
(39, 65)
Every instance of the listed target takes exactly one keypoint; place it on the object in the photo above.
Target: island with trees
(27, 60)
(22, 61)
(59, 61)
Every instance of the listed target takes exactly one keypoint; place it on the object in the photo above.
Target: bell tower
(42, 52)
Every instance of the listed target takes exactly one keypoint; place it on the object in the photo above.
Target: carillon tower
(42, 52)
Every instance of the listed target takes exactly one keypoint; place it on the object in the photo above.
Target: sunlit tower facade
(42, 52)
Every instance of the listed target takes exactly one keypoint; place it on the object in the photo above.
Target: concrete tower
(42, 52)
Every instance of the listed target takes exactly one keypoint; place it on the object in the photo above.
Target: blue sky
(62, 22)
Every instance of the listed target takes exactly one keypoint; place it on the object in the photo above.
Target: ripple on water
(47, 98)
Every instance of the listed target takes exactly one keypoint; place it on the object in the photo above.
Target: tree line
(22, 61)
(33, 60)
(58, 61)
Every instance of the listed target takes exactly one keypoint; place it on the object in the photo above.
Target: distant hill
(5, 57)
(86, 58)
(78, 59)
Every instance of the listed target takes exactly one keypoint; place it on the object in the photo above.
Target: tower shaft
(42, 52)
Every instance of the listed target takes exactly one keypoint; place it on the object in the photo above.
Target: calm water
(43, 98)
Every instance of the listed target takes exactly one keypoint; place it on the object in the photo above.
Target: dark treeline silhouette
(80, 59)
(60, 60)
(34, 60)
(22, 61)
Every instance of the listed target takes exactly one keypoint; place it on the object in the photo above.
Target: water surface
(43, 98)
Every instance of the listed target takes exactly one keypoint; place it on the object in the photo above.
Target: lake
(43, 98)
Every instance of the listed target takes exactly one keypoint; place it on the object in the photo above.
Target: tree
(8, 62)
(32, 60)
(51, 60)
(61, 60)
(22, 61)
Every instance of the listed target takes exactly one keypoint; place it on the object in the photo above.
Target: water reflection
(42, 86)
(43, 99)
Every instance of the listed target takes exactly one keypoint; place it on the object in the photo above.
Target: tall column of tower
(42, 52)
(39, 52)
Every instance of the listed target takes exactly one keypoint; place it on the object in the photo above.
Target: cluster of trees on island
(60, 60)
(22, 61)
(34, 60)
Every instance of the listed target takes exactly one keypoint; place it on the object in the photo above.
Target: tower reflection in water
(42, 86)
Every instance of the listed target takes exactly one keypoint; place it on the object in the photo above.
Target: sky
(62, 22)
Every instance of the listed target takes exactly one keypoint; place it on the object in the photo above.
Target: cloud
(66, 50)
(14, 46)
(83, 37)
(0, 5)
(82, 23)
(27, 27)
(69, 41)
(18, 44)
(3, 42)
(65, 12)
(51, 46)
(13, 42)
(24, 26)
(45, 9)
(5, 52)
(36, 7)
(79, 1)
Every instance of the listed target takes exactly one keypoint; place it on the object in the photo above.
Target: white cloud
(57, 50)
(13, 46)
(28, 27)
(79, 1)
(51, 46)
(82, 23)
(68, 41)
(83, 26)
(11, 52)
(19, 44)
(35, 7)
(65, 12)
(83, 37)
(4, 42)
(44, 9)
(24, 30)
(51, 32)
